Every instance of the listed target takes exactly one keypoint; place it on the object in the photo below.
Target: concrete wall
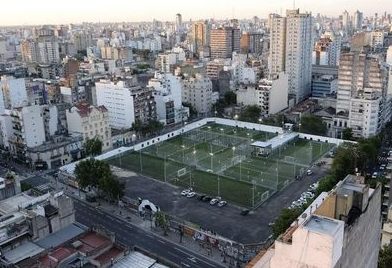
(362, 239)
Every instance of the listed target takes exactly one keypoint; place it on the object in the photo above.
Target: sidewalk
(187, 242)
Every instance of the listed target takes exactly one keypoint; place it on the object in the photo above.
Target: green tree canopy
(348, 134)
(313, 125)
(286, 217)
(250, 114)
(230, 98)
(385, 257)
(89, 172)
(96, 173)
(93, 147)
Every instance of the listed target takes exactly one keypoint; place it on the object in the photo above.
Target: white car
(185, 192)
(309, 172)
(191, 194)
(213, 201)
(222, 203)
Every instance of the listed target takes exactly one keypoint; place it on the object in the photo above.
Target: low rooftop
(321, 225)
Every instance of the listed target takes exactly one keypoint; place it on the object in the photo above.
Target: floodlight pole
(164, 167)
(218, 185)
(140, 159)
(240, 168)
(253, 194)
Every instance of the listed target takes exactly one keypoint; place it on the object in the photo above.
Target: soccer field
(217, 160)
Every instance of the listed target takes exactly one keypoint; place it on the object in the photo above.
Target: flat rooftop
(322, 225)
(13, 203)
(56, 239)
(277, 141)
(137, 260)
(24, 251)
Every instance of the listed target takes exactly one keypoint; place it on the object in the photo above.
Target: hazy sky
(20, 12)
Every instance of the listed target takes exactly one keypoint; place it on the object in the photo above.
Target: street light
(211, 154)
(233, 150)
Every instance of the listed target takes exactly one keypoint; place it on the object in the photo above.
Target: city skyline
(44, 12)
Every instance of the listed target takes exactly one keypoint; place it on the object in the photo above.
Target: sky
(24, 12)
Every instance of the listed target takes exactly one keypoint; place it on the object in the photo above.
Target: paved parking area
(226, 221)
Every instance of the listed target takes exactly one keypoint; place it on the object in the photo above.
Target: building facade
(117, 99)
(90, 121)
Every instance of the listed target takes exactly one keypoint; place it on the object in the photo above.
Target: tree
(89, 172)
(93, 147)
(250, 114)
(286, 217)
(326, 184)
(348, 134)
(230, 98)
(313, 125)
(162, 221)
(385, 257)
(96, 173)
(345, 161)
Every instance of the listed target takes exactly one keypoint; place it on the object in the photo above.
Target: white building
(377, 39)
(28, 127)
(197, 91)
(299, 45)
(91, 121)
(6, 130)
(389, 55)
(118, 101)
(291, 47)
(361, 93)
(13, 93)
(167, 96)
(340, 228)
(270, 95)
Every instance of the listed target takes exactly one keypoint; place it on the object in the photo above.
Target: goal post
(181, 172)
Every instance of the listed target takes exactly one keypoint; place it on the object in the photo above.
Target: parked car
(222, 203)
(200, 197)
(214, 201)
(185, 192)
(191, 194)
(206, 199)
(309, 172)
(245, 212)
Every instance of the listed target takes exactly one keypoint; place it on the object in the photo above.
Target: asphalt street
(132, 235)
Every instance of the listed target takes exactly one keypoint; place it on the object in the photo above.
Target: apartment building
(118, 100)
(90, 121)
(224, 41)
(197, 91)
(277, 52)
(200, 36)
(361, 93)
(270, 95)
(168, 98)
(332, 231)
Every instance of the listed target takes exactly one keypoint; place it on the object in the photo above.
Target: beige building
(276, 58)
(340, 229)
(224, 41)
(197, 91)
(200, 36)
(91, 121)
